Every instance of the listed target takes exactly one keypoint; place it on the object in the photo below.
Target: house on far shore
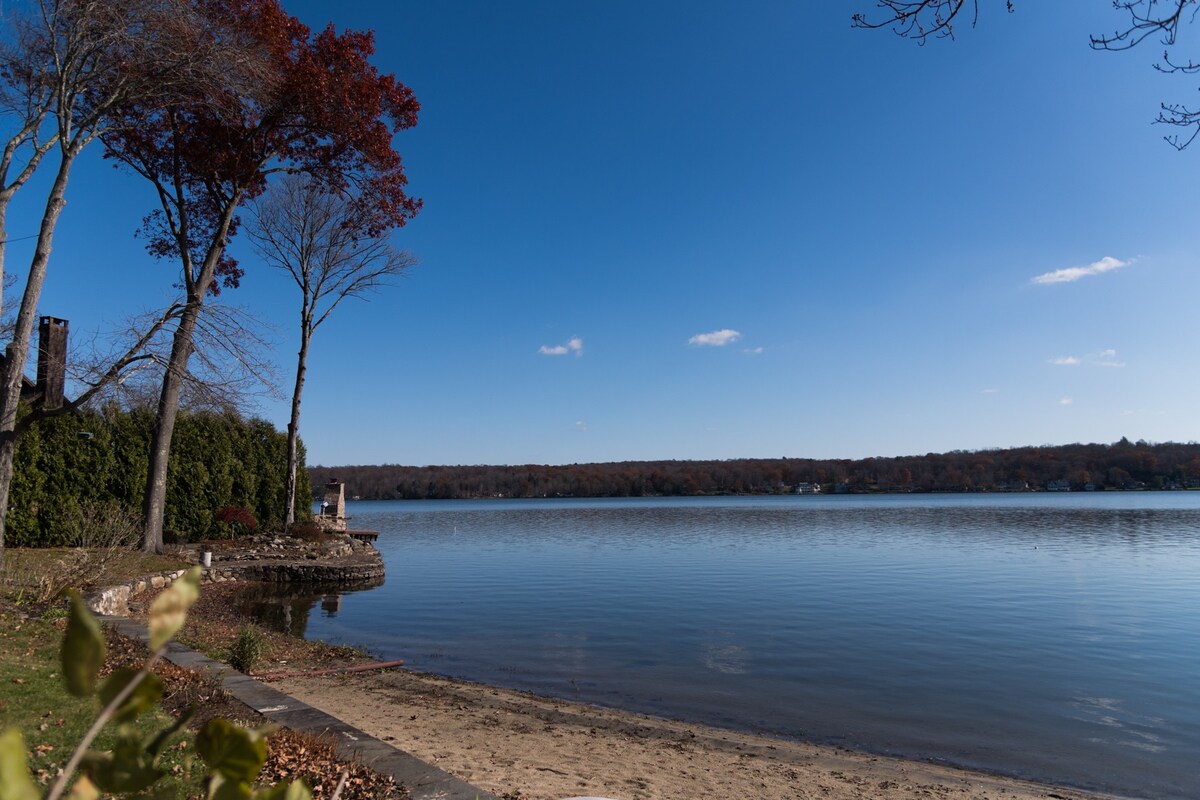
(1060, 485)
(808, 488)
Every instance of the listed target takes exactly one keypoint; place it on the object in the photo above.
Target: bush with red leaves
(239, 519)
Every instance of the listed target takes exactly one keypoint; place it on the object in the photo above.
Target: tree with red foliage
(322, 110)
(65, 66)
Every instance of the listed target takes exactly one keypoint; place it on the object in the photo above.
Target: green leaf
(127, 768)
(220, 788)
(82, 649)
(148, 692)
(156, 746)
(169, 610)
(296, 790)
(235, 753)
(15, 782)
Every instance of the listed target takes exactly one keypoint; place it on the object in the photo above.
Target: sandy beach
(505, 741)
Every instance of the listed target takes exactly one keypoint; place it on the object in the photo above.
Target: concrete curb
(423, 781)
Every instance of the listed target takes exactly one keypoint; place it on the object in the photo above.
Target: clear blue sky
(609, 186)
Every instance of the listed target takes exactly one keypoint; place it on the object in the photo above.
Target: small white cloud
(573, 345)
(581, 426)
(1106, 264)
(1066, 361)
(715, 339)
(1066, 401)
(754, 351)
(1106, 358)
(990, 391)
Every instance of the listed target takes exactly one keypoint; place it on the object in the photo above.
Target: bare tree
(26, 98)
(318, 236)
(126, 364)
(64, 69)
(1144, 19)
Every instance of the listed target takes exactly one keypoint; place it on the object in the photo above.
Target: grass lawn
(39, 574)
(34, 700)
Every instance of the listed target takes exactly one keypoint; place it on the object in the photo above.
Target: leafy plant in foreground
(234, 755)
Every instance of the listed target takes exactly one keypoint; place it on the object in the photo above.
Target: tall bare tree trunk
(17, 352)
(3, 242)
(155, 503)
(293, 440)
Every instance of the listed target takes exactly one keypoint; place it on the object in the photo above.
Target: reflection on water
(286, 607)
(1056, 637)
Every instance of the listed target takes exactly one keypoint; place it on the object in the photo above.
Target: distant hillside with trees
(1123, 465)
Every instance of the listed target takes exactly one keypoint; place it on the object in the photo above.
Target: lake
(1049, 636)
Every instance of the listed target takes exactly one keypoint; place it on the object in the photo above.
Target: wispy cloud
(754, 351)
(1104, 358)
(715, 339)
(581, 426)
(1106, 264)
(573, 345)
(1066, 401)
(990, 391)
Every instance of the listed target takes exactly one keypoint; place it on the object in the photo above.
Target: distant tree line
(1124, 465)
(68, 466)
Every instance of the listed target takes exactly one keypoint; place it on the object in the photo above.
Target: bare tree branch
(922, 19)
(919, 19)
(323, 239)
(105, 372)
(1146, 18)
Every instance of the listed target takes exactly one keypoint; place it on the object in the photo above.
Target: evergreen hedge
(97, 458)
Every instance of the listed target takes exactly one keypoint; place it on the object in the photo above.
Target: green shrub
(218, 460)
(246, 649)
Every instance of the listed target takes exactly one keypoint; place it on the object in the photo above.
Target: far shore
(506, 741)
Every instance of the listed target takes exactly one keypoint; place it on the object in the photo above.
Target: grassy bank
(33, 698)
(35, 702)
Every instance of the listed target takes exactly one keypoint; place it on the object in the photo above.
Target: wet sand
(505, 741)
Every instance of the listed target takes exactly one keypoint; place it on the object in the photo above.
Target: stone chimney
(51, 361)
(333, 510)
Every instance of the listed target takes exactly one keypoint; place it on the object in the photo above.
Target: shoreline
(507, 741)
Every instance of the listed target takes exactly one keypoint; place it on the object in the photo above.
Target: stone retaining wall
(114, 600)
(296, 571)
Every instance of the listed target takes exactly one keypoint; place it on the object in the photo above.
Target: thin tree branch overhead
(1162, 20)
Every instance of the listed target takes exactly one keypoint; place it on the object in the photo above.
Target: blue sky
(608, 187)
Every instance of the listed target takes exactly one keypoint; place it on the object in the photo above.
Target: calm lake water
(1055, 637)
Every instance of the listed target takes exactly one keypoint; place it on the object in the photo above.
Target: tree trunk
(17, 352)
(294, 432)
(155, 503)
(4, 198)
